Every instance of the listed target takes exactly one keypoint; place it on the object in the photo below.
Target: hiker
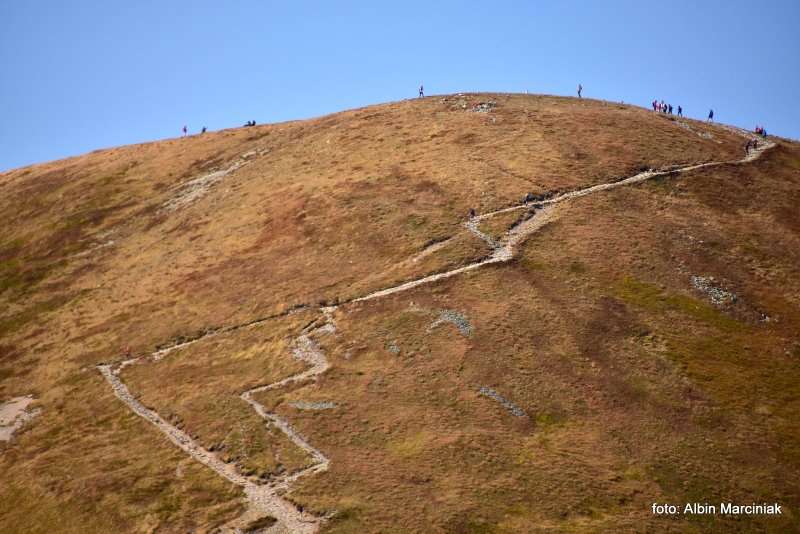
(421, 91)
(580, 89)
(472, 213)
(654, 105)
(680, 111)
(203, 130)
(710, 115)
(755, 144)
(184, 130)
(252, 123)
(670, 109)
(747, 147)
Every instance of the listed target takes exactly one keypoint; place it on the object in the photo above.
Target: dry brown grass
(637, 389)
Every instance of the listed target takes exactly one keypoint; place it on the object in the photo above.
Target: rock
(512, 408)
(454, 318)
(484, 107)
(303, 405)
(716, 294)
(393, 348)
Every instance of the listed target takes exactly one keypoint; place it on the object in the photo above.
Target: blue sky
(82, 75)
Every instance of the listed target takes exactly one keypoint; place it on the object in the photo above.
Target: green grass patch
(577, 267)
(654, 299)
(411, 446)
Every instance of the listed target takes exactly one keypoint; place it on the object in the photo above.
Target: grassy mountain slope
(636, 386)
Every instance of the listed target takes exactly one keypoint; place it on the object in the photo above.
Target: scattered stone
(512, 408)
(704, 135)
(537, 199)
(454, 318)
(484, 107)
(458, 101)
(392, 347)
(717, 294)
(304, 405)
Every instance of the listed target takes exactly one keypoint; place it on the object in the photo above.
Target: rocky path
(268, 499)
(263, 499)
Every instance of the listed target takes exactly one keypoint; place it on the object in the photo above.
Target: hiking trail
(267, 498)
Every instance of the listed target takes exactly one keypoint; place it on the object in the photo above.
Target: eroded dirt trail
(14, 414)
(267, 499)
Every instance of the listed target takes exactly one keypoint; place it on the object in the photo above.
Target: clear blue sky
(81, 75)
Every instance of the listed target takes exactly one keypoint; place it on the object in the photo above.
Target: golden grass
(636, 389)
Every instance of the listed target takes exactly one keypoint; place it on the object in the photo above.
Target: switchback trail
(267, 498)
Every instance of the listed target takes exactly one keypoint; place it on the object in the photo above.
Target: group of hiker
(663, 107)
(185, 129)
(753, 143)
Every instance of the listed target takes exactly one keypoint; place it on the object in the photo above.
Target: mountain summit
(462, 313)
